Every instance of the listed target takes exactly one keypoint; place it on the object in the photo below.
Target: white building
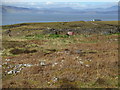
(96, 20)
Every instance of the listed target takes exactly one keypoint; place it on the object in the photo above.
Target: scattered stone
(17, 71)
(14, 71)
(70, 33)
(80, 59)
(87, 65)
(77, 57)
(0, 66)
(42, 63)
(90, 60)
(48, 28)
(48, 82)
(20, 69)
(5, 63)
(7, 60)
(54, 64)
(17, 66)
(20, 65)
(36, 64)
(8, 67)
(78, 51)
(62, 60)
(6, 71)
(60, 66)
(11, 66)
(10, 72)
(28, 65)
(55, 79)
(81, 62)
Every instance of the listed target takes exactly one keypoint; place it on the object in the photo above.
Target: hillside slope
(41, 55)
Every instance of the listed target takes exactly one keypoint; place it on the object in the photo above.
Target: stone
(80, 59)
(70, 33)
(90, 60)
(78, 51)
(10, 72)
(17, 66)
(62, 60)
(116, 39)
(8, 67)
(7, 60)
(20, 69)
(81, 62)
(48, 82)
(77, 57)
(42, 63)
(5, 63)
(54, 64)
(27, 65)
(87, 65)
(55, 79)
(17, 71)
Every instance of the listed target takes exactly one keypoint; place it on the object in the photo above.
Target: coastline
(36, 22)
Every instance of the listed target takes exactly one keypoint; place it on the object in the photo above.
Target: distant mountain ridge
(13, 9)
(59, 10)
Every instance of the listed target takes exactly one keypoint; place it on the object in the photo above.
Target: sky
(60, 0)
(77, 4)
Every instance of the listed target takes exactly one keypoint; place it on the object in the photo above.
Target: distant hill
(12, 9)
(59, 10)
(114, 8)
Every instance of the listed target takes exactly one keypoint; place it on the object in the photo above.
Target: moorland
(42, 55)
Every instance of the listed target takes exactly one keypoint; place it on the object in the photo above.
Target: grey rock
(55, 79)
(78, 51)
(7, 60)
(10, 72)
(42, 63)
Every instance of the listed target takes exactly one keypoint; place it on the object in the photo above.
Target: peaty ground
(34, 58)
